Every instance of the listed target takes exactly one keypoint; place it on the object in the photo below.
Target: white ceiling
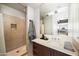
(48, 7)
(34, 5)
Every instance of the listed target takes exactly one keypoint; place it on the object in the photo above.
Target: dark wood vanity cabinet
(40, 50)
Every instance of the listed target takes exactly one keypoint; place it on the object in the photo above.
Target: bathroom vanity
(40, 50)
(51, 48)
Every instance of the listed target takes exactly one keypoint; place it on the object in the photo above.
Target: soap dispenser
(43, 37)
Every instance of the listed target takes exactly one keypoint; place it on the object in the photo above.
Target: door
(14, 31)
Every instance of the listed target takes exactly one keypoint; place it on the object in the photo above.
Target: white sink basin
(68, 46)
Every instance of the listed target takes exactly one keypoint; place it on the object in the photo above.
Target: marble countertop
(57, 45)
